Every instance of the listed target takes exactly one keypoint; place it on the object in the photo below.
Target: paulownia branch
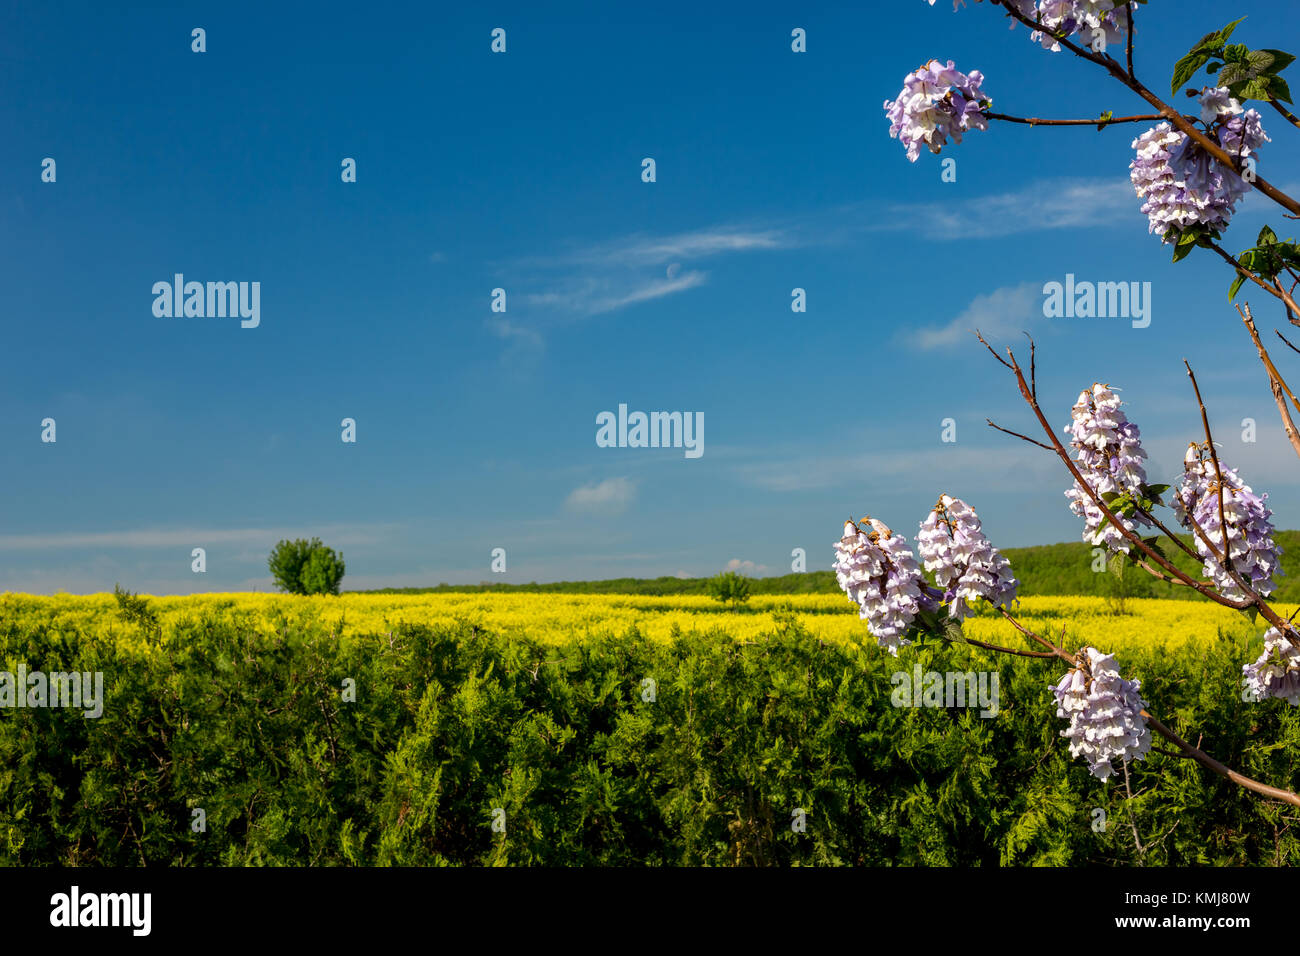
(1226, 557)
(1008, 650)
(1290, 117)
(1205, 760)
(1189, 751)
(1288, 342)
(1128, 37)
(1099, 122)
(1253, 601)
(1175, 118)
(1276, 382)
(1052, 649)
(1275, 289)
(1064, 455)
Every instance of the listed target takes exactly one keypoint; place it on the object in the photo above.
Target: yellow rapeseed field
(556, 618)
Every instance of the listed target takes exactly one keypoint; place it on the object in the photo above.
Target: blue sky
(476, 430)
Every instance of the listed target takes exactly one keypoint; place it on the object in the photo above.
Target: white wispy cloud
(595, 296)
(613, 274)
(609, 497)
(192, 537)
(1003, 311)
(1043, 204)
(643, 250)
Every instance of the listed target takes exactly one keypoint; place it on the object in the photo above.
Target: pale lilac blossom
(1276, 673)
(1108, 454)
(879, 573)
(1104, 711)
(963, 561)
(937, 103)
(1251, 548)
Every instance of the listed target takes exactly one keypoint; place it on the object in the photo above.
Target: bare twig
(1032, 441)
(1098, 122)
(1290, 117)
(1128, 39)
(1226, 557)
(1286, 340)
(1276, 382)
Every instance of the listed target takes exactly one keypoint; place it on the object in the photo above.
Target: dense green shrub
(610, 750)
(306, 567)
(729, 588)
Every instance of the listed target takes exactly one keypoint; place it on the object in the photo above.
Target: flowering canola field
(557, 618)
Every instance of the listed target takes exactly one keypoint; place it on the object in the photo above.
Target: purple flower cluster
(1182, 185)
(964, 563)
(1091, 18)
(880, 574)
(1109, 456)
(1254, 555)
(1104, 711)
(1070, 17)
(1277, 671)
(937, 103)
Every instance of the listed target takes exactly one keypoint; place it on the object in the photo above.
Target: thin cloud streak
(190, 537)
(1039, 206)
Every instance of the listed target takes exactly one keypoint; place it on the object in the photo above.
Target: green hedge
(449, 724)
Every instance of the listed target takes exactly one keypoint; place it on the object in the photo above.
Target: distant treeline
(1043, 569)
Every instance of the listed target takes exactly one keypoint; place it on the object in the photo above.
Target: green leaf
(1281, 60)
(1233, 73)
(1156, 490)
(1226, 32)
(1182, 250)
(1266, 237)
(1256, 89)
(952, 631)
(1116, 564)
(1259, 60)
(1281, 91)
(1235, 287)
(1185, 69)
